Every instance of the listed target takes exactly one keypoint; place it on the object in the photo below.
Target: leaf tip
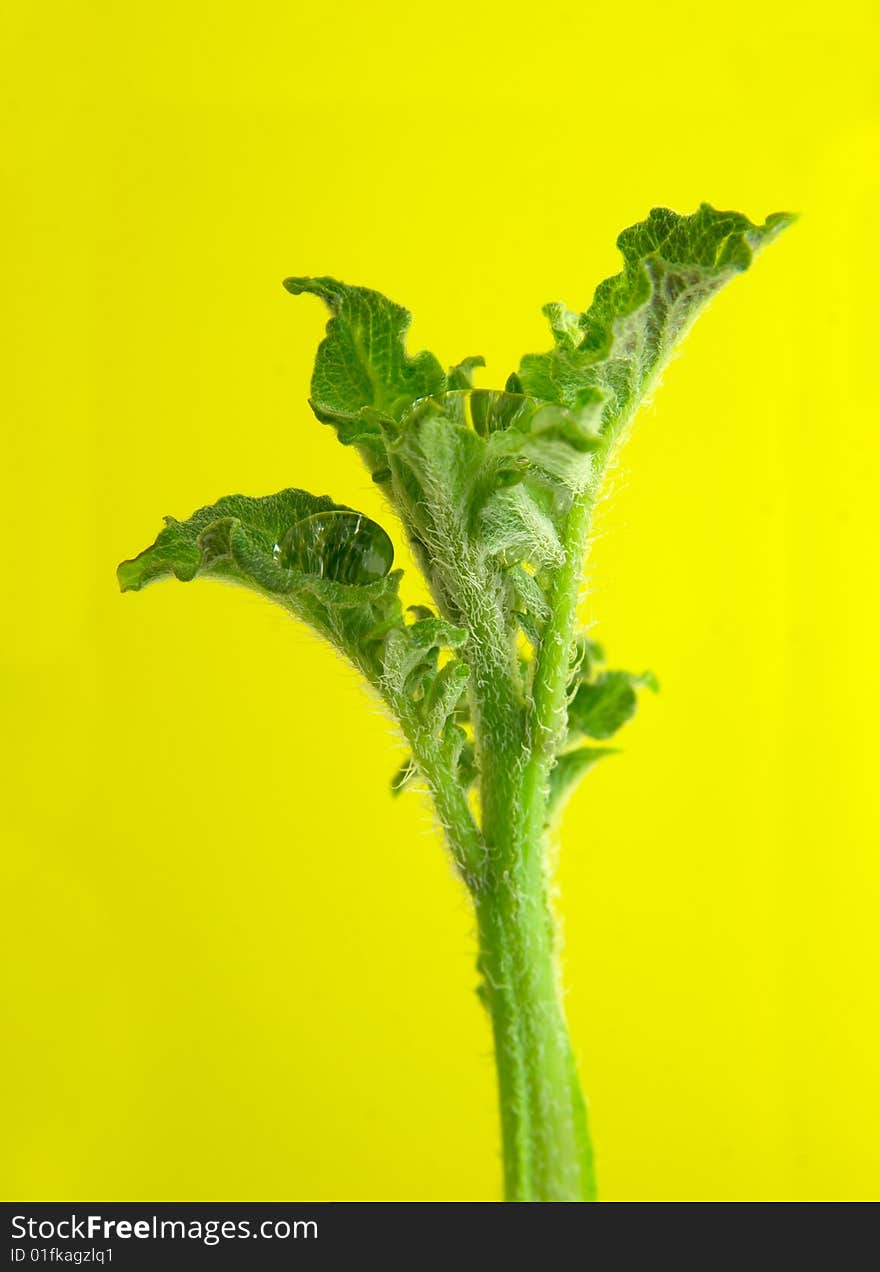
(775, 223)
(129, 575)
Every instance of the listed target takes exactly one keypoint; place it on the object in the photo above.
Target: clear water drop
(344, 546)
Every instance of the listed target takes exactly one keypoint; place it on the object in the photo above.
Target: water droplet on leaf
(346, 547)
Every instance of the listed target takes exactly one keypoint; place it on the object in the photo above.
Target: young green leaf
(672, 265)
(570, 767)
(602, 706)
(323, 562)
(412, 652)
(461, 376)
(363, 372)
(422, 691)
(484, 481)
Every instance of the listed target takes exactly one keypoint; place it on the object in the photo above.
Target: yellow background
(233, 967)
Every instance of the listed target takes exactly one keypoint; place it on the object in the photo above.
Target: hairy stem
(462, 832)
(451, 802)
(547, 720)
(547, 1153)
(553, 667)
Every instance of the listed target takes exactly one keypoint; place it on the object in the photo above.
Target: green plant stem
(547, 1152)
(547, 719)
(450, 801)
(553, 668)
